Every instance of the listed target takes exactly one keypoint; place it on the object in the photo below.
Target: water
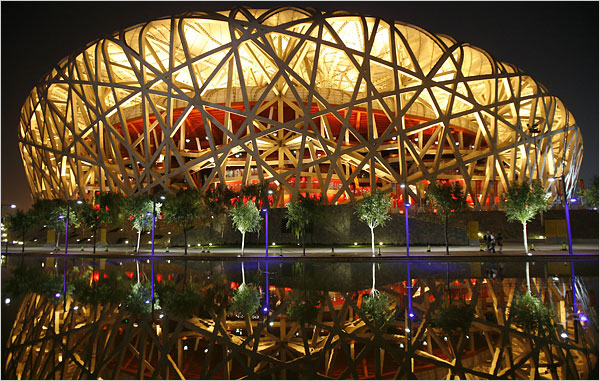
(308, 319)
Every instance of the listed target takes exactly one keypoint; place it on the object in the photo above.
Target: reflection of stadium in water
(331, 105)
(340, 342)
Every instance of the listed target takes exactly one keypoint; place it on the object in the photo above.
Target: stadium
(327, 104)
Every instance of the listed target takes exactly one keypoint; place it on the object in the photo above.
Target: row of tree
(188, 208)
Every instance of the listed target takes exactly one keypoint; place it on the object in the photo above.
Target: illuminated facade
(331, 105)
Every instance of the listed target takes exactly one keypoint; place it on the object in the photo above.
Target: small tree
(139, 208)
(89, 218)
(590, 195)
(246, 218)
(217, 202)
(523, 203)
(110, 207)
(20, 222)
(448, 199)
(301, 214)
(373, 210)
(46, 212)
(184, 209)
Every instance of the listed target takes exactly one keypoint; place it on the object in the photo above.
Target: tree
(523, 203)
(109, 207)
(301, 214)
(20, 222)
(54, 215)
(217, 201)
(139, 208)
(590, 196)
(373, 210)
(448, 199)
(246, 218)
(89, 218)
(184, 208)
(46, 212)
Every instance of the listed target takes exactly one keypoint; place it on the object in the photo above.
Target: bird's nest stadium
(330, 104)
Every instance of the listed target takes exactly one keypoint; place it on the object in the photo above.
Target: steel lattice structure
(333, 104)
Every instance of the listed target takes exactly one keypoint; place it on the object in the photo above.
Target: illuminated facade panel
(330, 104)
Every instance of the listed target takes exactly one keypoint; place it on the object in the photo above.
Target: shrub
(246, 300)
(530, 314)
(376, 307)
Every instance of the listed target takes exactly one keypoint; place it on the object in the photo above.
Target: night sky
(554, 42)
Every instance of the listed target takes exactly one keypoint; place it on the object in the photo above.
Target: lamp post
(12, 206)
(266, 210)
(406, 206)
(566, 200)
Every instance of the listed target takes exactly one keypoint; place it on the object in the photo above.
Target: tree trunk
(372, 242)
(137, 266)
(303, 245)
(525, 244)
(446, 234)
(137, 248)
(95, 231)
(373, 286)
(185, 240)
(23, 247)
(243, 275)
(57, 239)
(243, 238)
(526, 251)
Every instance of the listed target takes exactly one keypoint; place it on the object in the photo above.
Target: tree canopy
(245, 217)
(525, 201)
(301, 213)
(447, 198)
(139, 210)
(373, 209)
(183, 208)
(590, 195)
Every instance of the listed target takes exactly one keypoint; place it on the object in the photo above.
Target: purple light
(573, 200)
(407, 204)
(411, 315)
(264, 210)
(147, 302)
(57, 294)
(265, 309)
(149, 214)
(583, 318)
(61, 217)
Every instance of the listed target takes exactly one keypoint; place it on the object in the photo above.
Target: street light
(564, 188)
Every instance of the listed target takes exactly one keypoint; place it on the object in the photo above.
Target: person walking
(499, 242)
(488, 240)
(492, 243)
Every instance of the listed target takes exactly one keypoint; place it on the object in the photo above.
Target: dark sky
(555, 42)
